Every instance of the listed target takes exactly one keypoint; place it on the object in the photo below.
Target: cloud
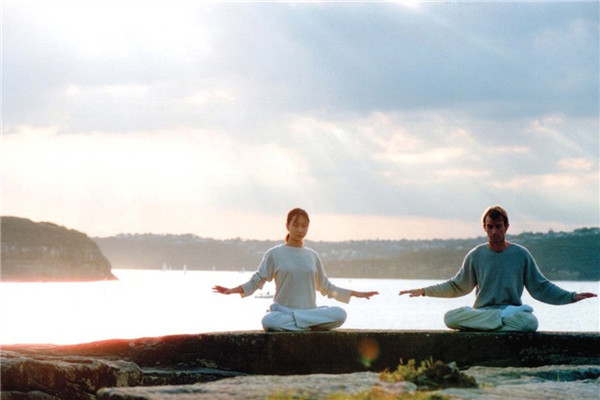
(577, 164)
(433, 156)
(329, 166)
(353, 57)
(363, 109)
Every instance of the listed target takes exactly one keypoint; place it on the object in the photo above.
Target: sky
(384, 120)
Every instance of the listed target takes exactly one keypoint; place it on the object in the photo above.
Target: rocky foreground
(257, 365)
(550, 382)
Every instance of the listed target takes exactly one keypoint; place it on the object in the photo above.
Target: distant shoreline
(570, 256)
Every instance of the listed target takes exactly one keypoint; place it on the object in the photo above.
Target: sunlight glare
(154, 303)
(99, 29)
(410, 4)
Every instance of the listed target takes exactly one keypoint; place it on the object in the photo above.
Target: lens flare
(368, 350)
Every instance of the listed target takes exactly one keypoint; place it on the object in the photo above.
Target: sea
(151, 303)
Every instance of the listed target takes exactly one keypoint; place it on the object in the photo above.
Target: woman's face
(298, 228)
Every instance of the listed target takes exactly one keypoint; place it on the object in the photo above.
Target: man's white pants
(282, 318)
(490, 319)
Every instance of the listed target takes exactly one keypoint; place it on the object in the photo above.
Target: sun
(118, 29)
(411, 4)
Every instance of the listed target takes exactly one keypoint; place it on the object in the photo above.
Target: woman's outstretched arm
(364, 295)
(224, 290)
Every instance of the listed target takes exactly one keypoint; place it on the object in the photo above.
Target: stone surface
(183, 375)
(547, 383)
(70, 377)
(258, 387)
(44, 251)
(126, 366)
(340, 351)
(550, 382)
(40, 376)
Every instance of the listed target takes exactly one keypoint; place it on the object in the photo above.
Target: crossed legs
(510, 318)
(281, 318)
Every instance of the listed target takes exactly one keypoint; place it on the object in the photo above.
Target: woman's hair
(291, 217)
(495, 212)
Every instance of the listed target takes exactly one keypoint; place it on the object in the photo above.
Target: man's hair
(495, 212)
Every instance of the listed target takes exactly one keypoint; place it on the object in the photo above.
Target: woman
(298, 274)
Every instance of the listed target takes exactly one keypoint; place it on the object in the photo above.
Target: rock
(122, 368)
(255, 387)
(495, 384)
(43, 376)
(557, 373)
(549, 382)
(33, 395)
(47, 252)
(339, 351)
(66, 378)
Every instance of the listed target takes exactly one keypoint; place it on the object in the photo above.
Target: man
(498, 270)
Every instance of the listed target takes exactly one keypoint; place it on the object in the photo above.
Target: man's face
(495, 229)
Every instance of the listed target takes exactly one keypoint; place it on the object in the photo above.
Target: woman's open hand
(224, 290)
(364, 295)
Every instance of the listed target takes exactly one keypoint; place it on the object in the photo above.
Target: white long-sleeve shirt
(298, 274)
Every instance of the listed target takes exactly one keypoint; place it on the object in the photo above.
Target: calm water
(156, 303)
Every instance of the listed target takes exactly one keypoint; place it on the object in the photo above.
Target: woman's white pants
(281, 318)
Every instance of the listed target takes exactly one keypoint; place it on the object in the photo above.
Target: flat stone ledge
(256, 387)
(340, 351)
(37, 376)
(550, 382)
